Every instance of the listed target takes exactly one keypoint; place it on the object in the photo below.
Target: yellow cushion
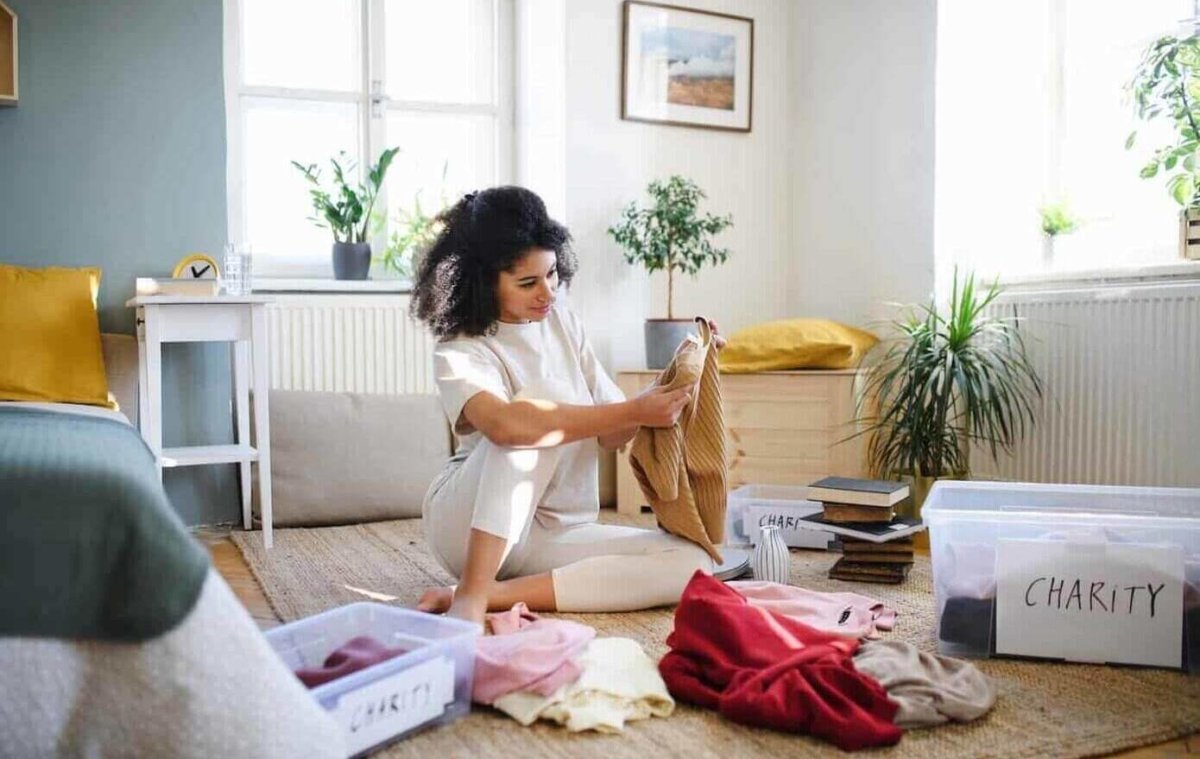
(50, 336)
(795, 344)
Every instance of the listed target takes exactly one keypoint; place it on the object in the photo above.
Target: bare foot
(468, 607)
(436, 600)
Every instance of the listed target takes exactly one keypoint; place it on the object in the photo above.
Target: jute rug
(1044, 709)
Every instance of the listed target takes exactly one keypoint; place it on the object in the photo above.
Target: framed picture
(687, 67)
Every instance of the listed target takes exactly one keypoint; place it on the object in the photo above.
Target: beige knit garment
(682, 469)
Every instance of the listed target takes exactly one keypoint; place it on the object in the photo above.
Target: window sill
(319, 285)
(1175, 272)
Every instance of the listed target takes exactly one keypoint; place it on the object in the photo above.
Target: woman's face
(527, 290)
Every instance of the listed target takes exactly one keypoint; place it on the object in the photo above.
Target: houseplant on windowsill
(943, 382)
(670, 235)
(413, 233)
(346, 211)
(1057, 219)
(1166, 87)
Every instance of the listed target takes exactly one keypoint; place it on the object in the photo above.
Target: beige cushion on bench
(340, 458)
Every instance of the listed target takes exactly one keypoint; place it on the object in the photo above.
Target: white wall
(610, 161)
(863, 160)
(831, 192)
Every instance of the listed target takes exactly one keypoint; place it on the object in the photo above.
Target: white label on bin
(791, 526)
(1090, 602)
(396, 703)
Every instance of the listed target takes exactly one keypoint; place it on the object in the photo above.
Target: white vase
(771, 562)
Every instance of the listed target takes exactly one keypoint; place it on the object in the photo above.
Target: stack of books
(877, 545)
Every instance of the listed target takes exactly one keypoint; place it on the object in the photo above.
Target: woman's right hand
(659, 407)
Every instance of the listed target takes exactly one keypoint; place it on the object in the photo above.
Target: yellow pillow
(50, 336)
(795, 344)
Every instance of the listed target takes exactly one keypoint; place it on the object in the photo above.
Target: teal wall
(115, 157)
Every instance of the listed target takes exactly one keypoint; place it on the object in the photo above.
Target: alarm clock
(196, 266)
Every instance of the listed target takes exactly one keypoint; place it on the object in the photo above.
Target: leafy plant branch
(347, 210)
(1165, 86)
(669, 234)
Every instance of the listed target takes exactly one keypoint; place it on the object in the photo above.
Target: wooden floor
(229, 562)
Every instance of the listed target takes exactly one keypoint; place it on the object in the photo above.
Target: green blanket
(89, 544)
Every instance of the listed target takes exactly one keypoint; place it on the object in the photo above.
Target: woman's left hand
(717, 341)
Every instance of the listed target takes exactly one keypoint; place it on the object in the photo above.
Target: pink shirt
(527, 653)
(847, 614)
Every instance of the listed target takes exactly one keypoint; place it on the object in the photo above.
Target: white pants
(594, 567)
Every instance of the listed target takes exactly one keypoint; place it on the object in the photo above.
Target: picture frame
(687, 67)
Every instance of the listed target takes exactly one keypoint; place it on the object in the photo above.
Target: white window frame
(373, 106)
(1175, 269)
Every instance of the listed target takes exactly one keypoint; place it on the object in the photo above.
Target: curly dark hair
(485, 233)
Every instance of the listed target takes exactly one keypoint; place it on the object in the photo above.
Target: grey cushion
(340, 458)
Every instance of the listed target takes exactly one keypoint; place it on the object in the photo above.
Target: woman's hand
(659, 407)
(718, 342)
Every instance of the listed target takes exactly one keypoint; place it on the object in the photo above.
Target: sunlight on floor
(370, 594)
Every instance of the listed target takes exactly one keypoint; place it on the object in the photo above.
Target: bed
(117, 637)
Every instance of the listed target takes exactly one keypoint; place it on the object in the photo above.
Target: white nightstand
(188, 319)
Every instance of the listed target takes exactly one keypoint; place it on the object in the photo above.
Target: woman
(514, 513)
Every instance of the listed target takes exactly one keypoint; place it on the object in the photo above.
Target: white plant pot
(1047, 250)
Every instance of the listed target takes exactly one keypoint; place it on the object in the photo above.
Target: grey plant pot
(663, 336)
(351, 260)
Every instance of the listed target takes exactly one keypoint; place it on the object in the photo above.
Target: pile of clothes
(747, 657)
(760, 653)
(552, 669)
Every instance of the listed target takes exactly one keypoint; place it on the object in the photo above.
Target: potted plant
(1165, 87)
(1057, 219)
(943, 382)
(346, 211)
(670, 235)
(413, 233)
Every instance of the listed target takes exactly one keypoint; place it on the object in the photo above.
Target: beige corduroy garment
(682, 469)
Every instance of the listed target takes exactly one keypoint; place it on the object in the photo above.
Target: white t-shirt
(551, 359)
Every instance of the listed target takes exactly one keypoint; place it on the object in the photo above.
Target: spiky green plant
(945, 381)
(414, 232)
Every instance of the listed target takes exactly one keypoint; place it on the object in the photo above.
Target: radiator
(1121, 367)
(349, 343)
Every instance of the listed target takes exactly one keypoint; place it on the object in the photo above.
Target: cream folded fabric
(619, 684)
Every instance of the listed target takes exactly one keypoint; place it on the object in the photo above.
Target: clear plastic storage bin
(781, 505)
(1073, 572)
(429, 684)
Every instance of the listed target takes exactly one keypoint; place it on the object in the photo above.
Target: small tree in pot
(669, 235)
(347, 211)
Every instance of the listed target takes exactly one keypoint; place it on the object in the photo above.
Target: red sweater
(760, 668)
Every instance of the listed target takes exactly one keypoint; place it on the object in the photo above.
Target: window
(1032, 109)
(306, 79)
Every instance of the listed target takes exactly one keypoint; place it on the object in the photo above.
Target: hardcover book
(882, 532)
(856, 491)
